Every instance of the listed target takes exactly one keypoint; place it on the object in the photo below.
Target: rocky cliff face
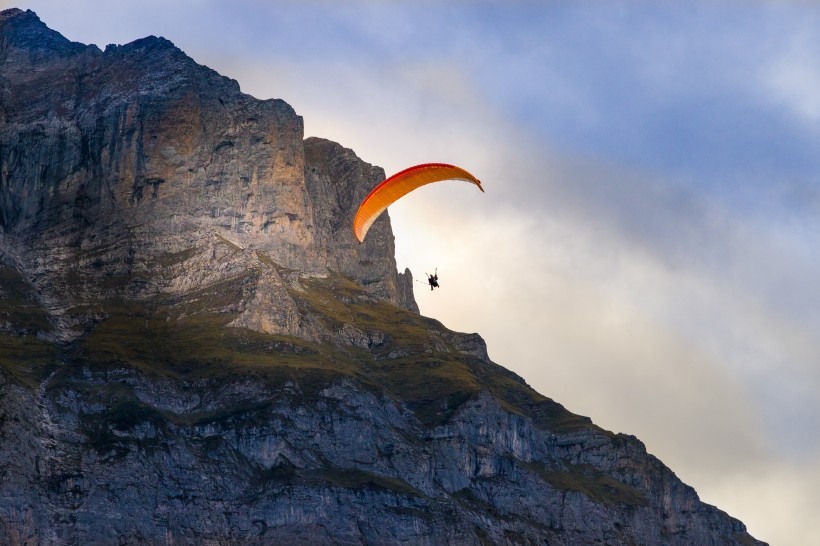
(195, 350)
(141, 169)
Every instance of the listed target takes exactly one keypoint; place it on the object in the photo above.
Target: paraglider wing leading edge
(399, 185)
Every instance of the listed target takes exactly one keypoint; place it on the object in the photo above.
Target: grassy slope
(23, 356)
(188, 340)
(433, 382)
(411, 360)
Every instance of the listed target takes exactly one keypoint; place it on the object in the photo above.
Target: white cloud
(794, 80)
(780, 502)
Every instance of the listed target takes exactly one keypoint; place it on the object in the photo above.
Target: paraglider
(399, 185)
(433, 279)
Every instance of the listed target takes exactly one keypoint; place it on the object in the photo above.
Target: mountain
(194, 349)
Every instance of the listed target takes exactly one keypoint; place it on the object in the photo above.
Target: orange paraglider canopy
(399, 185)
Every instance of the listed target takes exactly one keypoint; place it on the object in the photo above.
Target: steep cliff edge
(195, 350)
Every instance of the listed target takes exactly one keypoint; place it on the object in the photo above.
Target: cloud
(794, 82)
(792, 73)
(780, 501)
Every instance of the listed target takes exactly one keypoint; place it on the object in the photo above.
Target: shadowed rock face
(195, 350)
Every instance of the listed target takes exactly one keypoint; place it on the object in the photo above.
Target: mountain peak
(18, 16)
(146, 46)
(10, 13)
(24, 30)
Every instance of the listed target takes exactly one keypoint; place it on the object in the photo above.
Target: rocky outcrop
(194, 349)
(340, 180)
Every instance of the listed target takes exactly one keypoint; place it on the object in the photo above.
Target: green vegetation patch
(171, 259)
(248, 411)
(27, 360)
(353, 478)
(19, 309)
(24, 358)
(590, 482)
(220, 300)
(126, 414)
(517, 397)
(108, 430)
(338, 301)
(434, 388)
(194, 347)
(332, 476)
(227, 243)
(483, 537)
(416, 513)
(468, 498)
(514, 537)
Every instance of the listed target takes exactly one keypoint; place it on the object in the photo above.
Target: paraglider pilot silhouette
(433, 279)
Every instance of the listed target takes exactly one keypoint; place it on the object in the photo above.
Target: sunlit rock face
(194, 349)
(137, 166)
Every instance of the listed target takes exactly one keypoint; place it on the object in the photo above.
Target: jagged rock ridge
(195, 350)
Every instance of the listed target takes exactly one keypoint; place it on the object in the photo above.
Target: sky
(646, 249)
